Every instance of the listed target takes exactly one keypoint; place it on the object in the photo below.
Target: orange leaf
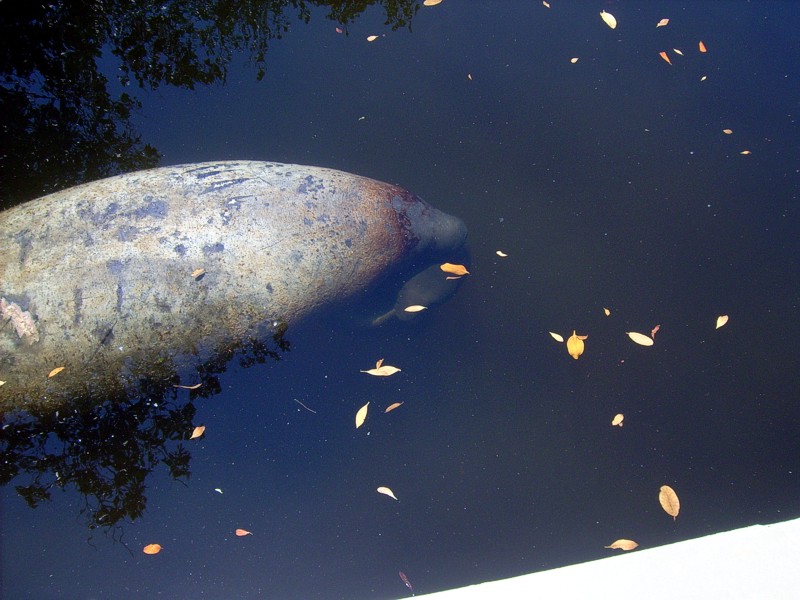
(702, 47)
(152, 549)
(454, 269)
(243, 532)
(391, 407)
(654, 331)
(198, 431)
(665, 56)
(55, 371)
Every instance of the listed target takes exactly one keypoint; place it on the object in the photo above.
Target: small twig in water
(304, 406)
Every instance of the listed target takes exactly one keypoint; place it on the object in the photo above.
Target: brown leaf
(152, 549)
(454, 269)
(198, 431)
(55, 371)
(669, 501)
(575, 345)
(361, 415)
(623, 545)
(387, 492)
(243, 532)
(391, 407)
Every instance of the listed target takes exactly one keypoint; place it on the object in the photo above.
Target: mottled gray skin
(98, 278)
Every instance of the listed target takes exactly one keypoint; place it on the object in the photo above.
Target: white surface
(760, 562)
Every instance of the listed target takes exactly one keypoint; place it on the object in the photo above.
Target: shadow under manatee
(106, 451)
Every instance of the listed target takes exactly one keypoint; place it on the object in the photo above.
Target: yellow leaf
(556, 336)
(454, 269)
(617, 420)
(243, 532)
(575, 344)
(361, 415)
(372, 38)
(727, 131)
(382, 371)
(198, 273)
(414, 308)
(387, 492)
(55, 371)
(574, 60)
(432, 2)
(623, 545)
(607, 311)
(669, 501)
(640, 338)
(745, 152)
(501, 254)
(665, 56)
(152, 549)
(721, 320)
(198, 431)
(662, 23)
(188, 387)
(702, 47)
(608, 19)
(393, 406)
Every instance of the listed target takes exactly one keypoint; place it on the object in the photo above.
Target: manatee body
(147, 273)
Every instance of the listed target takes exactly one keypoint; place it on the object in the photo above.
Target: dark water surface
(609, 183)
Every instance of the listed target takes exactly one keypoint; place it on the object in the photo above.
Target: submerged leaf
(623, 545)
(152, 549)
(391, 407)
(669, 501)
(386, 492)
(640, 338)
(454, 269)
(198, 273)
(361, 415)
(556, 336)
(617, 420)
(608, 19)
(198, 431)
(721, 320)
(55, 371)
(575, 345)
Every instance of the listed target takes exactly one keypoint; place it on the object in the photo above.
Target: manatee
(151, 273)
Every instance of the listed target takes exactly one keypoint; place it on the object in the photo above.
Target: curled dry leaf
(454, 269)
(702, 47)
(640, 338)
(391, 407)
(608, 19)
(386, 492)
(243, 532)
(662, 23)
(575, 345)
(361, 415)
(55, 371)
(665, 56)
(152, 549)
(617, 420)
(556, 336)
(669, 501)
(721, 320)
(623, 545)
(198, 431)
(414, 308)
(654, 331)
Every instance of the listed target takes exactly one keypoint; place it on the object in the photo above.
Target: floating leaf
(469, 76)
(454, 269)
(617, 420)
(188, 387)
(662, 23)
(361, 415)
(745, 152)
(382, 371)
(607, 311)
(665, 56)
(55, 371)
(556, 336)
(669, 501)
(386, 492)
(678, 52)
(623, 545)
(391, 407)
(654, 331)
(727, 131)
(702, 47)
(198, 431)
(640, 338)
(198, 273)
(219, 491)
(152, 549)
(2, 383)
(574, 60)
(372, 38)
(703, 78)
(432, 2)
(243, 532)
(414, 308)
(721, 320)
(501, 254)
(545, 4)
(575, 344)
(608, 19)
